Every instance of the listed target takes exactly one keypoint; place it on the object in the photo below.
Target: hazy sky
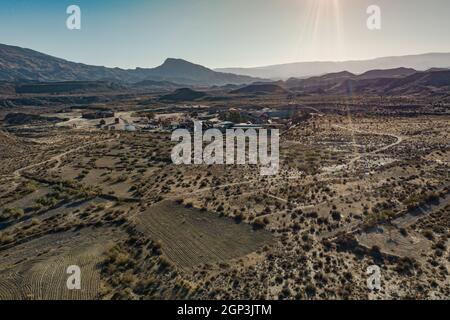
(225, 33)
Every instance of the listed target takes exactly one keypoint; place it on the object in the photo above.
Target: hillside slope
(18, 64)
(392, 82)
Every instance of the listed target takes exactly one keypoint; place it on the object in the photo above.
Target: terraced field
(391, 241)
(191, 237)
(37, 269)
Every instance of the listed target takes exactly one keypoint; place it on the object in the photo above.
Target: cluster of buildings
(222, 119)
(234, 118)
(109, 120)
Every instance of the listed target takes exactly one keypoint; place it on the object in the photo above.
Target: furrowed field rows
(191, 237)
(37, 269)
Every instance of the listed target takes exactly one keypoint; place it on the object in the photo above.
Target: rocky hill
(18, 64)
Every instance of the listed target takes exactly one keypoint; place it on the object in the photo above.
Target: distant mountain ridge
(183, 94)
(419, 62)
(399, 81)
(261, 89)
(17, 64)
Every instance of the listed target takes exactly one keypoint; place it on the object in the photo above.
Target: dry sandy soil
(351, 192)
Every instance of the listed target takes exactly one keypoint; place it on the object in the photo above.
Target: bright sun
(321, 21)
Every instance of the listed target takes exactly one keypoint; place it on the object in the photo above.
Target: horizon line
(222, 68)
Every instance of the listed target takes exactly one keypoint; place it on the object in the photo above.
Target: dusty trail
(56, 158)
(412, 217)
(399, 138)
(400, 222)
(18, 173)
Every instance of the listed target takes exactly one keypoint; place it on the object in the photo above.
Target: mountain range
(19, 64)
(398, 81)
(419, 62)
(27, 71)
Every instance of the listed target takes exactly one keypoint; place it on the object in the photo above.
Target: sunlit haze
(228, 33)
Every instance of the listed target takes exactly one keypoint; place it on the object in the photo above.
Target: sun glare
(320, 26)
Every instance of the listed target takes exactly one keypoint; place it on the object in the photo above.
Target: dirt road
(400, 139)
(56, 158)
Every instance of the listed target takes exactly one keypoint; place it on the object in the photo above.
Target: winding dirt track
(399, 138)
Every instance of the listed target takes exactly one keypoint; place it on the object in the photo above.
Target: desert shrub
(310, 289)
(164, 264)
(122, 178)
(128, 277)
(238, 217)
(36, 207)
(5, 238)
(336, 215)
(406, 266)
(13, 212)
(30, 187)
(258, 224)
(428, 234)
(100, 207)
(417, 200)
